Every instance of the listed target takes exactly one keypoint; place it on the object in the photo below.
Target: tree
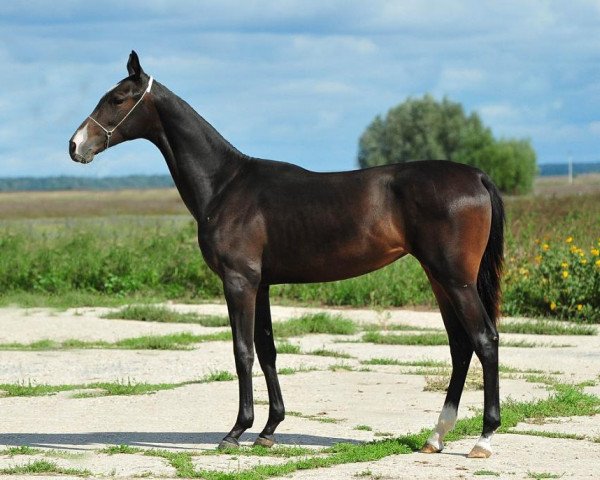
(421, 129)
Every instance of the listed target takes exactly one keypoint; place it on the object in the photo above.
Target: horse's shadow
(162, 440)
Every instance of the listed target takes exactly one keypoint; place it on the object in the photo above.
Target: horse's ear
(133, 65)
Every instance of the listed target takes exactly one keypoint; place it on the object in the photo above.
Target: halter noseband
(110, 132)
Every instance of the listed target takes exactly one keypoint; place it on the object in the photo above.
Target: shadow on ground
(178, 440)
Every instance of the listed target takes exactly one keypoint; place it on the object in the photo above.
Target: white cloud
(456, 79)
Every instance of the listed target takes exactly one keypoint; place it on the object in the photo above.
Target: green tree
(424, 128)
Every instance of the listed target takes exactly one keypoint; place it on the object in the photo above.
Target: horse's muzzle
(86, 157)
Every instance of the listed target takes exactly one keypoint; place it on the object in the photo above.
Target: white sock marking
(485, 442)
(445, 423)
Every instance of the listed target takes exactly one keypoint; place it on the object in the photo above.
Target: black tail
(490, 270)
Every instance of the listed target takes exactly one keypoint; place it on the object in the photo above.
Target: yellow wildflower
(579, 307)
(595, 252)
(564, 265)
(524, 271)
(573, 249)
(583, 261)
(538, 259)
(552, 306)
(569, 239)
(565, 274)
(545, 247)
(597, 263)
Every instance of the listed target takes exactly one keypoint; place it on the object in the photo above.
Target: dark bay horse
(262, 222)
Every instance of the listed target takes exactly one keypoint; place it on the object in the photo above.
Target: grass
(545, 327)
(291, 371)
(106, 388)
(175, 341)
(121, 449)
(319, 417)
(541, 433)
(323, 352)
(286, 347)
(403, 363)
(315, 323)
(437, 383)
(542, 475)
(219, 376)
(43, 466)
(439, 338)
(149, 253)
(20, 450)
(155, 313)
(365, 428)
(488, 473)
(341, 367)
(427, 339)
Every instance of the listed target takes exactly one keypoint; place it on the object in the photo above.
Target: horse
(263, 222)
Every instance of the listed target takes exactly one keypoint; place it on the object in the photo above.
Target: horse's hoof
(267, 442)
(228, 443)
(479, 452)
(429, 448)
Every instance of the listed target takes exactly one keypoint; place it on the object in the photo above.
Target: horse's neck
(200, 160)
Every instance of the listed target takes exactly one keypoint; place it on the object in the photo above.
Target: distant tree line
(85, 183)
(426, 129)
(561, 169)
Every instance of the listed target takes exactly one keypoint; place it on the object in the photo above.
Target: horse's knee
(245, 420)
(244, 358)
(486, 347)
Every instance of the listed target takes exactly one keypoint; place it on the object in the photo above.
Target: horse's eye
(118, 100)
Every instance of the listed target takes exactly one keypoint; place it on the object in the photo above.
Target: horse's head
(119, 115)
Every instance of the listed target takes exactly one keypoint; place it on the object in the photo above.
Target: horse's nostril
(72, 147)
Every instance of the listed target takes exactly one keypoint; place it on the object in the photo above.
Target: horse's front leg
(240, 294)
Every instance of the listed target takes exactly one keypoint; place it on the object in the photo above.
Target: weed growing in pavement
(315, 323)
(157, 313)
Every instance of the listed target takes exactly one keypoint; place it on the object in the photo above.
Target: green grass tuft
(542, 475)
(365, 428)
(323, 352)
(544, 327)
(315, 323)
(43, 466)
(116, 449)
(406, 363)
(287, 347)
(427, 339)
(156, 313)
(175, 341)
(219, 376)
(20, 450)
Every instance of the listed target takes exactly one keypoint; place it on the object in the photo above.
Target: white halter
(110, 132)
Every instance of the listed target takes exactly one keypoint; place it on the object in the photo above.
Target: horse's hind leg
(265, 350)
(461, 352)
(483, 336)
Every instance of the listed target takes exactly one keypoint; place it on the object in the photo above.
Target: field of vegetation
(77, 248)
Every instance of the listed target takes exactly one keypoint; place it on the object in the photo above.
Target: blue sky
(297, 80)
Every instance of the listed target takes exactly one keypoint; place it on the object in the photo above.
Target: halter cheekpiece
(110, 132)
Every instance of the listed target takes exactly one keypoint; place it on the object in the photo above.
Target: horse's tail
(490, 270)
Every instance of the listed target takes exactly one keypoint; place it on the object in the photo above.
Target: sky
(297, 80)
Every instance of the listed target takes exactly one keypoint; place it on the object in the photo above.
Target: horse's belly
(328, 267)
